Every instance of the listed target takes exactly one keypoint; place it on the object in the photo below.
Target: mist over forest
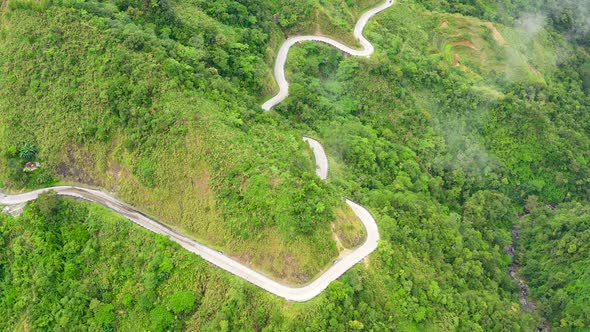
(466, 135)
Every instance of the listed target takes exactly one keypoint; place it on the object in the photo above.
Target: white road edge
(366, 51)
(321, 160)
(298, 294)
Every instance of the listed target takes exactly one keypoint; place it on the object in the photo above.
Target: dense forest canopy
(471, 118)
(554, 256)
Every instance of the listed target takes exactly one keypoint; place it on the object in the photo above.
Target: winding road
(321, 160)
(299, 294)
(366, 51)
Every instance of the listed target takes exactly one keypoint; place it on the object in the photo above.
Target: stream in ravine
(513, 271)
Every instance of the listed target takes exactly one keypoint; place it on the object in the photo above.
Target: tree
(161, 319)
(181, 302)
(105, 315)
(27, 152)
(48, 204)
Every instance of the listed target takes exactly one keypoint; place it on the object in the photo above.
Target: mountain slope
(445, 134)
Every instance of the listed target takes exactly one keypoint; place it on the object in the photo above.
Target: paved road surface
(321, 159)
(215, 257)
(279, 69)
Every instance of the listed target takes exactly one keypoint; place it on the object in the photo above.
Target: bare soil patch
(466, 43)
(455, 60)
(337, 239)
(497, 35)
(534, 70)
(76, 166)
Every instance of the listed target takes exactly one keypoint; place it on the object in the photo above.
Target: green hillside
(555, 260)
(167, 118)
(469, 115)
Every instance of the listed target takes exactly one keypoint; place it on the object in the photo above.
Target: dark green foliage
(447, 165)
(181, 302)
(27, 152)
(568, 16)
(145, 170)
(165, 113)
(61, 264)
(15, 167)
(553, 251)
(161, 319)
(445, 158)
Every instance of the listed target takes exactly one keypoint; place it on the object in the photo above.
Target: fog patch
(530, 24)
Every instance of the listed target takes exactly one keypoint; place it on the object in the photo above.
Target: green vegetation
(554, 257)
(163, 115)
(67, 265)
(16, 172)
(446, 134)
(347, 229)
(569, 17)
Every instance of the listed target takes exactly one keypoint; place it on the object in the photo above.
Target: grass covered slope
(444, 133)
(67, 265)
(107, 101)
(444, 150)
(77, 266)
